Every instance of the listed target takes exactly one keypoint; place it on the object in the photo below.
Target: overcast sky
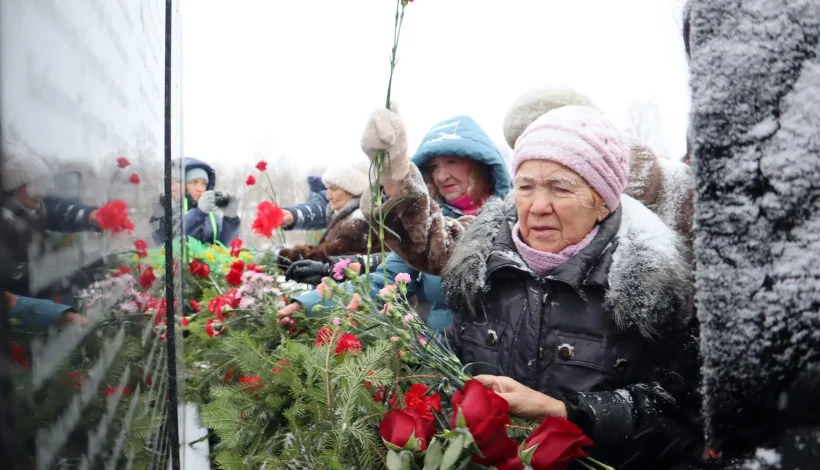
(299, 79)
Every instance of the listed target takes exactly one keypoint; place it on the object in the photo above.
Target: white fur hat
(22, 167)
(352, 177)
(535, 103)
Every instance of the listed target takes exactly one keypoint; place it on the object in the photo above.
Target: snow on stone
(755, 121)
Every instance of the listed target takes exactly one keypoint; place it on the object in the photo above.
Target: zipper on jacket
(544, 321)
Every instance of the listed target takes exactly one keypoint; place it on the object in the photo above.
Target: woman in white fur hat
(347, 228)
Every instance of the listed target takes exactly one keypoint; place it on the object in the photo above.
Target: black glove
(308, 271)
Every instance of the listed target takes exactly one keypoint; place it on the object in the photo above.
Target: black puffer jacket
(610, 332)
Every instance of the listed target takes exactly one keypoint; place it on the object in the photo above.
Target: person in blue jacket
(311, 214)
(38, 315)
(463, 168)
(201, 219)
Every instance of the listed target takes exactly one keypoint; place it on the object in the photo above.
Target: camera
(222, 200)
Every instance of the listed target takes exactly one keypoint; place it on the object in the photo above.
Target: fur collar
(334, 218)
(643, 268)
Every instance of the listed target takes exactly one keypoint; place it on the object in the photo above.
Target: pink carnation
(339, 269)
(402, 277)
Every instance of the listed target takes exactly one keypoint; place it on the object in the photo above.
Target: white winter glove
(232, 209)
(206, 202)
(385, 131)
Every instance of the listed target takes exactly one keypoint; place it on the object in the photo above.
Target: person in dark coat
(202, 218)
(311, 214)
(571, 299)
(346, 225)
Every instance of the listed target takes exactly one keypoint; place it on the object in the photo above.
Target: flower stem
(600, 464)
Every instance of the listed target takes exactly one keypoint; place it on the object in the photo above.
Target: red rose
(126, 391)
(236, 247)
(251, 385)
(123, 162)
(195, 307)
(557, 444)
(18, 356)
(147, 278)
(250, 181)
(134, 178)
(215, 327)
(114, 217)
(262, 165)
(487, 416)
(269, 217)
(398, 425)
(142, 248)
(416, 399)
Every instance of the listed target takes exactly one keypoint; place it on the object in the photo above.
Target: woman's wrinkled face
(556, 207)
(451, 175)
(195, 188)
(337, 197)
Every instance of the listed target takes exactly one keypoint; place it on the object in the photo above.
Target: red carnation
(252, 385)
(250, 181)
(262, 165)
(126, 391)
(416, 398)
(254, 268)
(282, 363)
(557, 444)
(215, 327)
(234, 276)
(347, 342)
(269, 217)
(228, 376)
(122, 270)
(114, 217)
(134, 178)
(236, 247)
(199, 269)
(141, 248)
(147, 278)
(75, 379)
(195, 307)
(18, 356)
(123, 162)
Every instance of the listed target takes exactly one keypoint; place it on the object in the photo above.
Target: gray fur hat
(535, 103)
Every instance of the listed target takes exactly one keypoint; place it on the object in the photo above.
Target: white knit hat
(534, 104)
(22, 167)
(352, 177)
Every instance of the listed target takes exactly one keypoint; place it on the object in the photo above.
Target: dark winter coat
(196, 223)
(609, 332)
(312, 214)
(755, 74)
(24, 228)
(346, 235)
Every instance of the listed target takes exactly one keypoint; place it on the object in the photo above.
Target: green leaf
(393, 460)
(453, 452)
(526, 454)
(435, 452)
(461, 422)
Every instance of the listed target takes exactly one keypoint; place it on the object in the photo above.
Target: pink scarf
(543, 263)
(466, 205)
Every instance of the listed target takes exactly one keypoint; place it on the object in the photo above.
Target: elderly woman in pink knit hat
(572, 299)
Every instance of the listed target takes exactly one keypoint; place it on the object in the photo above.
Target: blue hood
(315, 184)
(191, 163)
(462, 137)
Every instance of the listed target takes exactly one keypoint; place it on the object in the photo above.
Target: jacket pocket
(482, 346)
(584, 363)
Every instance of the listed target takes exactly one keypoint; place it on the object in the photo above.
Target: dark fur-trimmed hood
(648, 278)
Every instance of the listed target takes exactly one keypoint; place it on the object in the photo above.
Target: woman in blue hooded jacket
(201, 219)
(463, 168)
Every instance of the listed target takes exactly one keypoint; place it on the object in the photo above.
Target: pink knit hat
(583, 140)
